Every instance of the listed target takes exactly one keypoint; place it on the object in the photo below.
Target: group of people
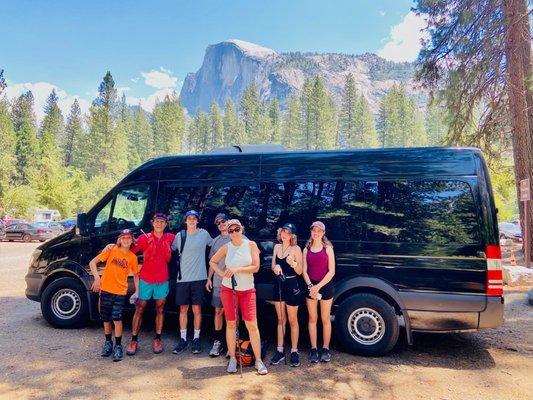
(233, 260)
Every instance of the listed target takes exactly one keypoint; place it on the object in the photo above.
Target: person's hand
(109, 246)
(277, 269)
(96, 285)
(291, 261)
(209, 285)
(313, 292)
(229, 272)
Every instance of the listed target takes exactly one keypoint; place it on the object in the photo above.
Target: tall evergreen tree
(73, 145)
(234, 131)
(348, 112)
(27, 145)
(275, 121)
(435, 122)
(367, 135)
(53, 118)
(8, 141)
(144, 136)
(3, 84)
(168, 126)
(292, 123)
(255, 119)
(216, 135)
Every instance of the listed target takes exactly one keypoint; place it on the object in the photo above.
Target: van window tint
(102, 218)
(129, 209)
(174, 200)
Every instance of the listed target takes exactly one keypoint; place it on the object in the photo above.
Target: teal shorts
(156, 291)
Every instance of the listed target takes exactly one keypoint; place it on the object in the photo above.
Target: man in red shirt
(153, 279)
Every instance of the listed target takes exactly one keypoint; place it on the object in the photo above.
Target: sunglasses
(220, 221)
(237, 229)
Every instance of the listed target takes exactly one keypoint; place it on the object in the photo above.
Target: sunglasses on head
(236, 229)
(220, 221)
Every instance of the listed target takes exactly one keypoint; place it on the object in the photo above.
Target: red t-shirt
(156, 256)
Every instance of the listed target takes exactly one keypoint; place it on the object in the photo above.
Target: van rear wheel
(64, 303)
(366, 324)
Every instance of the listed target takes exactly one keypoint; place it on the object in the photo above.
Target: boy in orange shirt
(113, 286)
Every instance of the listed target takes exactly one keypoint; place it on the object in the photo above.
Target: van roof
(439, 160)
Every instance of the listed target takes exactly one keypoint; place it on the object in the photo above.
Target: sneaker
(277, 358)
(157, 346)
(107, 350)
(216, 349)
(295, 359)
(313, 356)
(325, 355)
(182, 345)
(196, 346)
(232, 366)
(260, 367)
(132, 348)
(118, 353)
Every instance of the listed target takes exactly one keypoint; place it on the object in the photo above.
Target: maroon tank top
(317, 264)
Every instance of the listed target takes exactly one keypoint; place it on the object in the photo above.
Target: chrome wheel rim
(66, 303)
(366, 326)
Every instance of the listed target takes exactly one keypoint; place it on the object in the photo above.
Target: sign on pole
(525, 190)
(525, 196)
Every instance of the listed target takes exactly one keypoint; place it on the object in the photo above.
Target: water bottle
(318, 296)
(133, 299)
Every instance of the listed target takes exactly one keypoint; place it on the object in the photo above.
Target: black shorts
(290, 291)
(111, 306)
(327, 291)
(190, 293)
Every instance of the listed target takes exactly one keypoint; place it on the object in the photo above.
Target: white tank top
(239, 256)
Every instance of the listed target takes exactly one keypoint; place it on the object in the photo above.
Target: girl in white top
(242, 261)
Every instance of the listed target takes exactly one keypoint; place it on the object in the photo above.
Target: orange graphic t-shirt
(118, 266)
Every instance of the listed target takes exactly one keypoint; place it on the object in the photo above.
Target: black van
(414, 231)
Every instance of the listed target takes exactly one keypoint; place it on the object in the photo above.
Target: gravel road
(40, 362)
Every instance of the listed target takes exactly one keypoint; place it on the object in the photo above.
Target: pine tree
(368, 136)
(275, 121)
(73, 145)
(348, 113)
(53, 118)
(27, 145)
(168, 126)
(8, 141)
(201, 129)
(292, 123)
(435, 121)
(3, 84)
(216, 134)
(255, 119)
(234, 131)
(143, 135)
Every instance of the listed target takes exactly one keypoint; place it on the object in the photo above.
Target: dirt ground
(40, 362)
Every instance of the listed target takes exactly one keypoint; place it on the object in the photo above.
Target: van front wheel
(64, 303)
(366, 324)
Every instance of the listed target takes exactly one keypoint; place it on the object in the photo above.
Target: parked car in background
(11, 221)
(509, 230)
(68, 223)
(28, 232)
(2, 230)
(56, 227)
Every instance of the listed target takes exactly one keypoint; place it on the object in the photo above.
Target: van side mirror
(81, 225)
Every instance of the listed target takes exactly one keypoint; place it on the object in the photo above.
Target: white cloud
(148, 103)
(404, 43)
(41, 91)
(159, 79)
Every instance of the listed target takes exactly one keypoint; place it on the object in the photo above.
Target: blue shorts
(156, 291)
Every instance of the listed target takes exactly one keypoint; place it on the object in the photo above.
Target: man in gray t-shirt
(190, 288)
(214, 281)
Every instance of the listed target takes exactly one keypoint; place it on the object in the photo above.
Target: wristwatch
(310, 286)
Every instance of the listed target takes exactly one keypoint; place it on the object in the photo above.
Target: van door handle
(481, 254)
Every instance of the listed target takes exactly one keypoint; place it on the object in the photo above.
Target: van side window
(440, 212)
(102, 218)
(129, 209)
(175, 199)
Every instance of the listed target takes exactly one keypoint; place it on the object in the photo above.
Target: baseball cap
(220, 216)
(126, 232)
(319, 225)
(160, 215)
(192, 212)
(290, 227)
(234, 222)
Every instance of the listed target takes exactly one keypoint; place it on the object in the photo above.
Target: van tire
(64, 303)
(376, 331)
(26, 238)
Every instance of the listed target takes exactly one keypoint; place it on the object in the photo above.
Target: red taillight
(494, 271)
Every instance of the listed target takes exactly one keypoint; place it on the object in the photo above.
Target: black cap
(290, 227)
(220, 216)
(192, 212)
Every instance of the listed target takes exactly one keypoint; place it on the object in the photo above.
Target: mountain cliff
(231, 66)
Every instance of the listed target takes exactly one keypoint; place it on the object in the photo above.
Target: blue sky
(150, 46)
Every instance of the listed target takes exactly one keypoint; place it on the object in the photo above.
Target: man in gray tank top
(190, 288)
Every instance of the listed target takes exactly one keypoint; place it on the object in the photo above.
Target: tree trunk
(518, 54)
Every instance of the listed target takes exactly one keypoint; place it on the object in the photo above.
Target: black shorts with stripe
(111, 306)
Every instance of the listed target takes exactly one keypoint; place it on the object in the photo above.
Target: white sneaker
(260, 367)
(215, 350)
(232, 366)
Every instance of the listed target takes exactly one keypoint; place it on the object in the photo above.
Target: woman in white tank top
(242, 261)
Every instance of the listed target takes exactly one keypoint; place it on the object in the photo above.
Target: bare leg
(255, 339)
(118, 328)
(197, 311)
(230, 337)
(159, 315)
(282, 321)
(325, 312)
(219, 321)
(313, 317)
(138, 317)
(108, 328)
(292, 312)
(184, 316)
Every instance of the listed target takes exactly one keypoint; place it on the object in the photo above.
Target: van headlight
(34, 257)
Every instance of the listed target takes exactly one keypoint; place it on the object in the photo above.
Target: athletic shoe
(295, 359)
(232, 366)
(118, 353)
(277, 358)
(107, 350)
(216, 349)
(157, 346)
(132, 348)
(182, 345)
(313, 356)
(196, 346)
(325, 355)
(260, 367)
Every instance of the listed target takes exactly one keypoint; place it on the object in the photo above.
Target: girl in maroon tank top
(318, 272)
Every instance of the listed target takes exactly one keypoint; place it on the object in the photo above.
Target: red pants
(245, 302)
